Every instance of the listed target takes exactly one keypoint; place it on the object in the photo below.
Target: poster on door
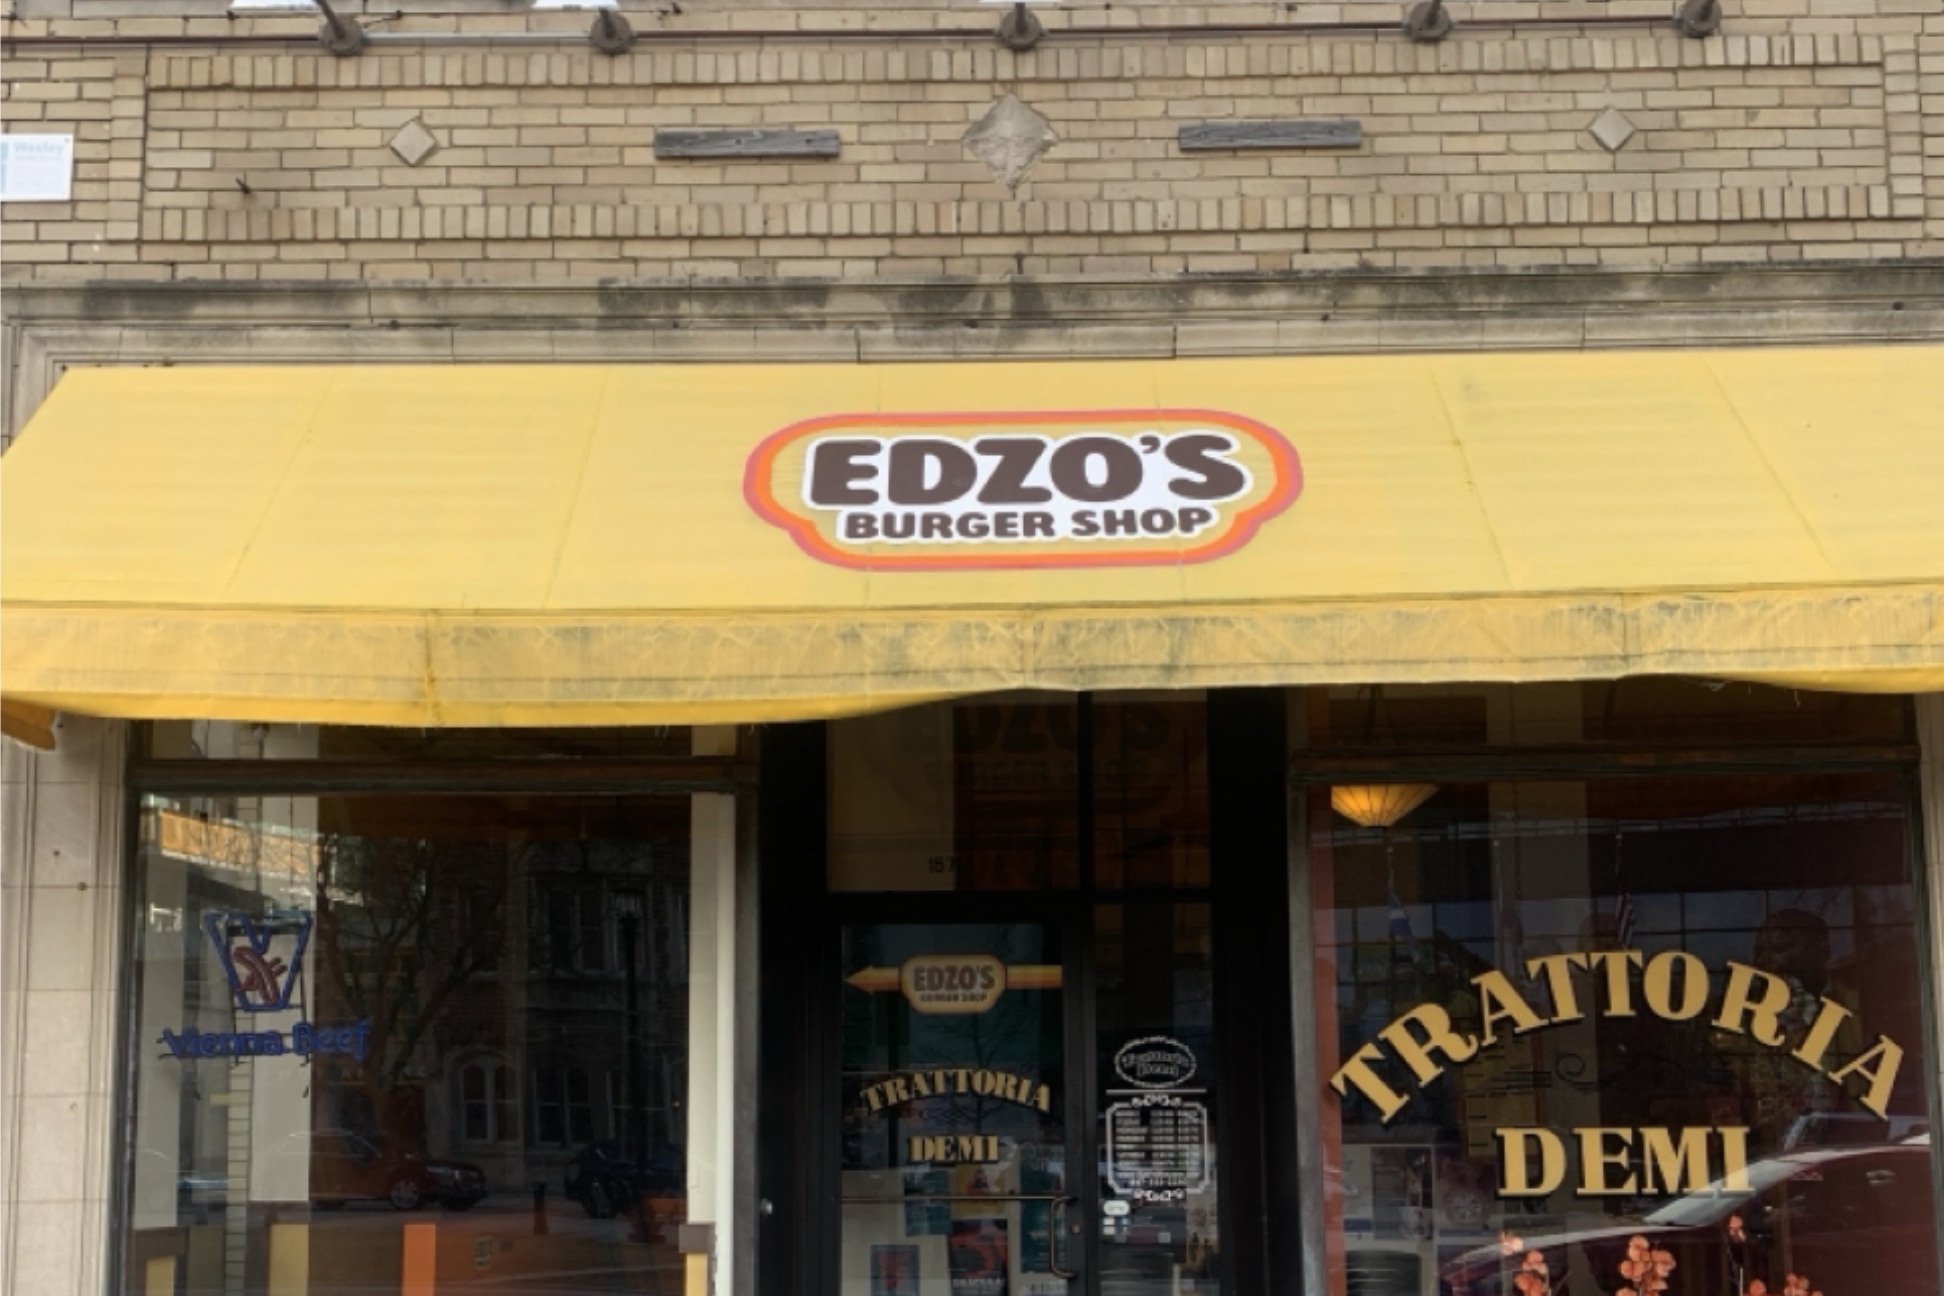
(1042, 1173)
(977, 1257)
(928, 1216)
(894, 1271)
(1403, 1197)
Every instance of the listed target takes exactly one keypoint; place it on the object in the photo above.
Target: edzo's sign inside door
(955, 983)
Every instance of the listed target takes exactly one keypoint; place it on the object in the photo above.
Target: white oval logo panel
(1157, 1062)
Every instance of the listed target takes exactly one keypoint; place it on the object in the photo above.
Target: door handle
(1059, 1226)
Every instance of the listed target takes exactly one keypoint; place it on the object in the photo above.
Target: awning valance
(558, 544)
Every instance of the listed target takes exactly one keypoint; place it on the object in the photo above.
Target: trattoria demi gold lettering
(1357, 1072)
(1421, 1043)
(1423, 1031)
(1534, 1162)
(952, 1149)
(894, 1091)
(1879, 1066)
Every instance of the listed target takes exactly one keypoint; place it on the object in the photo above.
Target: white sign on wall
(36, 168)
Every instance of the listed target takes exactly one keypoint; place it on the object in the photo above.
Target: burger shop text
(1024, 487)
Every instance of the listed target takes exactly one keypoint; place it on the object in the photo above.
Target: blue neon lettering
(305, 1039)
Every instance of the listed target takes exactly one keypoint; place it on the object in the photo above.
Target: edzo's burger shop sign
(933, 492)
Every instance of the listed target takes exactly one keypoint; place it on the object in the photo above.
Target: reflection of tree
(1020, 1034)
(427, 916)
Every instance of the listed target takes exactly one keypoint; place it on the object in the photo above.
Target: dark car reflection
(344, 1167)
(1852, 1221)
(607, 1182)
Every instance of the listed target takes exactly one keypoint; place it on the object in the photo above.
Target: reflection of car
(604, 1181)
(1853, 1219)
(202, 1188)
(194, 1187)
(1850, 1129)
(1147, 1225)
(346, 1167)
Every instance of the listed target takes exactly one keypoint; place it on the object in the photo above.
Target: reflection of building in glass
(527, 998)
(503, 992)
(1703, 875)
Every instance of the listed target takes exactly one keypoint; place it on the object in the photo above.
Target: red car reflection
(1850, 1221)
(343, 1167)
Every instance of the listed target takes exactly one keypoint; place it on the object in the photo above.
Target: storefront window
(1150, 809)
(986, 795)
(1028, 1101)
(236, 740)
(956, 1114)
(972, 796)
(1631, 1034)
(1160, 1123)
(1671, 710)
(383, 1041)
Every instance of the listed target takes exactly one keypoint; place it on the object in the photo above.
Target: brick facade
(1787, 137)
(242, 196)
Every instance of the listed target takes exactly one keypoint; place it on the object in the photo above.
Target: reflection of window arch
(563, 1106)
(487, 1102)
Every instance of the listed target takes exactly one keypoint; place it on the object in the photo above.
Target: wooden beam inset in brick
(1292, 132)
(745, 143)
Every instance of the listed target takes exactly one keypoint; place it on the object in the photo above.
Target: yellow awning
(26, 723)
(524, 545)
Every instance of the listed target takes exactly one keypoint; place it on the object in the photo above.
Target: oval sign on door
(1157, 1062)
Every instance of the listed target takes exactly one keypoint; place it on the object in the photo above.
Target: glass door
(958, 1147)
(1031, 1086)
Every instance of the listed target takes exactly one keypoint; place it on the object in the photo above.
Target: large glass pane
(1645, 709)
(984, 795)
(971, 796)
(1160, 1231)
(954, 1111)
(393, 1040)
(1576, 1037)
(1150, 804)
(239, 740)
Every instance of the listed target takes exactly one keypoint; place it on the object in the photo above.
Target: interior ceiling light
(610, 34)
(1379, 805)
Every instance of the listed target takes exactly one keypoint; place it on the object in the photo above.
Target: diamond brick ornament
(1009, 139)
(1612, 130)
(413, 143)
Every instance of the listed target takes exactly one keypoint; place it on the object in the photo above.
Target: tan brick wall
(1789, 137)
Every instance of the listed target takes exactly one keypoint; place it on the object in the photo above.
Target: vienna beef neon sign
(263, 960)
(1672, 985)
(1101, 488)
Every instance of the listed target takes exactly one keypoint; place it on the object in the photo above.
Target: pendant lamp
(1379, 805)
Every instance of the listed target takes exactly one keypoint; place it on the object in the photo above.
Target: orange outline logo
(1062, 463)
